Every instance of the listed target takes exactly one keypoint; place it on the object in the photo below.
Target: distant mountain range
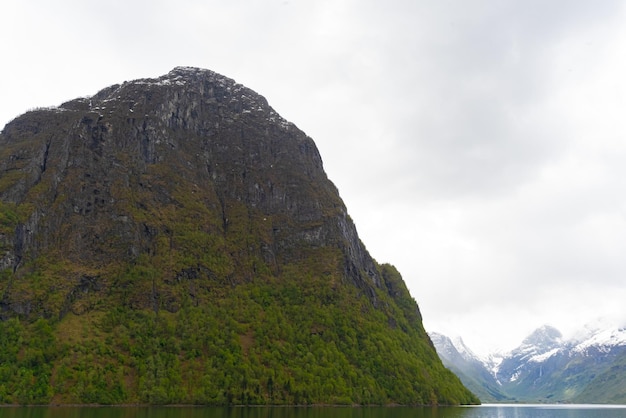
(588, 368)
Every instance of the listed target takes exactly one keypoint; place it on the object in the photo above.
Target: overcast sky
(479, 145)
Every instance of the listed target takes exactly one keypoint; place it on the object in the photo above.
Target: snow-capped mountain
(536, 349)
(603, 340)
(475, 373)
(546, 367)
(452, 347)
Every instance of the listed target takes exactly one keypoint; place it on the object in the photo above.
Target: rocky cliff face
(174, 240)
(98, 174)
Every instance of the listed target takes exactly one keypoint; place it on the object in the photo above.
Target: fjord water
(484, 411)
(540, 411)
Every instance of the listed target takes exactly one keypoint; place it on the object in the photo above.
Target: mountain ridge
(546, 367)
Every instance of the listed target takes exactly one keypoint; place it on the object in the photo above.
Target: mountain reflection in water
(485, 411)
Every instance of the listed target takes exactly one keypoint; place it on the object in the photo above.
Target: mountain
(607, 387)
(547, 368)
(175, 240)
(532, 370)
(472, 371)
(588, 368)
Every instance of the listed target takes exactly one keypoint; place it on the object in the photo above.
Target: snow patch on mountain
(544, 356)
(463, 349)
(492, 363)
(546, 366)
(603, 340)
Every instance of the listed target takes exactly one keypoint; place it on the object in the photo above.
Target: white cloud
(478, 145)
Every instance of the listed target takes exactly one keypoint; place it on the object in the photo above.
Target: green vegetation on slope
(200, 317)
(297, 340)
(607, 387)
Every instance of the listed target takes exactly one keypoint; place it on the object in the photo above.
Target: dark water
(485, 411)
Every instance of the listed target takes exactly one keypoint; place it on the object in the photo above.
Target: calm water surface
(484, 411)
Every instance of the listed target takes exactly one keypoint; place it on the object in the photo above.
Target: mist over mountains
(589, 367)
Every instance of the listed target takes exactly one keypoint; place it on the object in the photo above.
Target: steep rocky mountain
(548, 368)
(589, 368)
(174, 240)
(521, 373)
(473, 372)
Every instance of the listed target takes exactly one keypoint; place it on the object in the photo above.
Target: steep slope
(609, 387)
(522, 372)
(472, 371)
(174, 240)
